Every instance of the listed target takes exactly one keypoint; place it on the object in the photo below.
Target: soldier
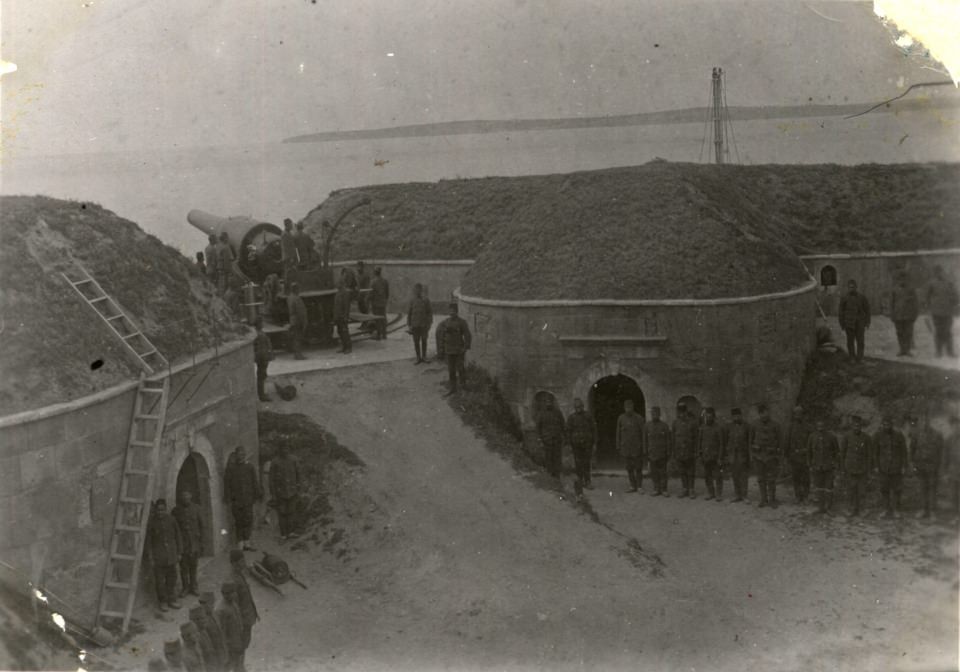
(550, 431)
(710, 452)
(241, 488)
(685, 449)
(262, 355)
(225, 259)
(211, 655)
(582, 434)
(855, 453)
(349, 279)
(942, 303)
(903, 312)
(951, 464)
(192, 654)
(212, 258)
(824, 459)
(228, 616)
(303, 244)
(798, 455)
(765, 448)
(164, 545)
(657, 440)
(285, 488)
(201, 264)
(630, 444)
(363, 282)
(341, 317)
(854, 317)
(190, 523)
(288, 252)
(297, 310)
(736, 453)
(208, 602)
(379, 295)
(419, 321)
(453, 341)
(247, 607)
(173, 655)
(890, 459)
(926, 452)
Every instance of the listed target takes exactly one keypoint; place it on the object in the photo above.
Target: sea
(156, 188)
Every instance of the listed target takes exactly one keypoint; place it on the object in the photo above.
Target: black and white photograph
(479, 335)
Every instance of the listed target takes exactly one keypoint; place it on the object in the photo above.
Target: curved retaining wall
(60, 470)
(726, 353)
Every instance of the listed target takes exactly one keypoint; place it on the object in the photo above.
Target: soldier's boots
(720, 491)
(763, 496)
(773, 494)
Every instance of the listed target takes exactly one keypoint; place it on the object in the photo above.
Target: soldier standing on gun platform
(341, 317)
(630, 444)
(685, 449)
(550, 430)
(582, 434)
(824, 459)
(855, 454)
(657, 440)
(710, 450)
(241, 488)
(765, 448)
(890, 460)
(798, 456)
(736, 453)
(379, 295)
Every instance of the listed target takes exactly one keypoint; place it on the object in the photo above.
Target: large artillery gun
(259, 266)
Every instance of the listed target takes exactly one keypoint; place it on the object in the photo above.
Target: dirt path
(440, 556)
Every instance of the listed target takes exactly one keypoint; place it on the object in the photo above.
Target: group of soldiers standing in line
(812, 455)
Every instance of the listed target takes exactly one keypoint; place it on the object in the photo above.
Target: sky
(114, 75)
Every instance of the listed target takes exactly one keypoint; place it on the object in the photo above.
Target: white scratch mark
(822, 16)
(40, 596)
(223, 533)
(301, 68)
(58, 619)
(7, 67)
(390, 54)
(82, 655)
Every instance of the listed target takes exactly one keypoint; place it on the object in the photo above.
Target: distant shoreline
(682, 116)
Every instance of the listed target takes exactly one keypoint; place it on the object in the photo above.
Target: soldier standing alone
(379, 295)
(341, 317)
(241, 488)
(854, 316)
(582, 434)
(890, 459)
(191, 532)
(262, 354)
(855, 452)
(657, 439)
(685, 449)
(453, 341)
(824, 459)
(164, 545)
(736, 453)
(798, 455)
(285, 488)
(710, 451)
(550, 430)
(765, 449)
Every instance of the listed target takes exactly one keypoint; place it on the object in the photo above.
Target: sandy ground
(441, 556)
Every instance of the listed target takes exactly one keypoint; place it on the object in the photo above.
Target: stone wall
(876, 272)
(725, 354)
(60, 470)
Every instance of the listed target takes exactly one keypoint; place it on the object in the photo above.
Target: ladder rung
(123, 556)
(137, 472)
(151, 390)
(119, 584)
(115, 317)
(98, 299)
(146, 417)
(113, 614)
(147, 353)
(134, 334)
(81, 282)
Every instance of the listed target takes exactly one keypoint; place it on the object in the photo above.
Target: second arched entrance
(606, 403)
(194, 476)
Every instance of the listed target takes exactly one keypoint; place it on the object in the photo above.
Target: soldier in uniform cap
(630, 444)
(453, 341)
(799, 457)
(855, 453)
(211, 654)
(854, 316)
(824, 460)
(285, 488)
(926, 453)
(190, 523)
(297, 310)
(582, 434)
(173, 655)
(736, 453)
(550, 431)
(229, 618)
(890, 459)
(765, 448)
(241, 488)
(657, 439)
(193, 658)
(685, 449)
(164, 544)
(710, 451)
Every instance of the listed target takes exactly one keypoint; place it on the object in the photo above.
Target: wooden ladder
(134, 341)
(118, 591)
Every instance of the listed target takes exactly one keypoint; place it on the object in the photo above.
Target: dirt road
(440, 555)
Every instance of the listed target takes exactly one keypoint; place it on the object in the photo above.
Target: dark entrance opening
(194, 476)
(692, 404)
(606, 403)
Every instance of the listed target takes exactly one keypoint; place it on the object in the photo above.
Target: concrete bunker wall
(60, 470)
(725, 354)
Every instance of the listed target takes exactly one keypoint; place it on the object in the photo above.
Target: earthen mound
(54, 348)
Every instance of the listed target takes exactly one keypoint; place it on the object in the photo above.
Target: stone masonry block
(69, 456)
(37, 465)
(46, 432)
(15, 439)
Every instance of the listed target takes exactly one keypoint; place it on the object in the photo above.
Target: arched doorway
(606, 403)
(828, 276)
(194, 475)
(692, 403)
